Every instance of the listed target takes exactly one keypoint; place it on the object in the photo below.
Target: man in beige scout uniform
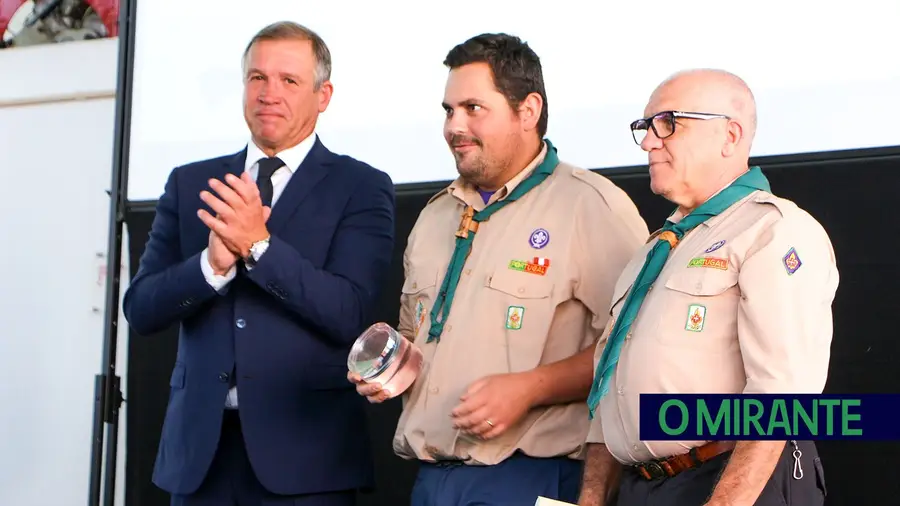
(506, 310)
(733, 295)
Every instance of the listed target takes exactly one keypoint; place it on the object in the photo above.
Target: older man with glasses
(733, 295)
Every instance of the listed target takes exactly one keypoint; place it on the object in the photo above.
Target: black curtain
(851, 196)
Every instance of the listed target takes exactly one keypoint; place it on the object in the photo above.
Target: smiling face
(702, 154)
(490, 141)
(281, 100)
(481, 128)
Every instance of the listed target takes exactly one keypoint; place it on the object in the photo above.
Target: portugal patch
(711, 262)
(537, 266)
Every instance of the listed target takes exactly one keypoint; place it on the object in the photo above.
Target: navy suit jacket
(287, 324)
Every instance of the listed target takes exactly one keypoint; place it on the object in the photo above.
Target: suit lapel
(234, 164)
(312, 170)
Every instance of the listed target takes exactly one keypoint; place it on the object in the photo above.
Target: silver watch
(256, 251)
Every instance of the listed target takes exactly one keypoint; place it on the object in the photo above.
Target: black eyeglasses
(663, 123)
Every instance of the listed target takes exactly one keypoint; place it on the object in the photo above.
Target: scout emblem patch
(514, 315)
(792, 261)
(420, 316)
(539, 238)
(696, 318)
(715, 247)
(537, 266)
(714, 263)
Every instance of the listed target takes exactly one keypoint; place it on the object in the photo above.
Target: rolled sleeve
(785, 321)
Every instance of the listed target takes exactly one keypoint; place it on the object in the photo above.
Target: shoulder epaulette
(443, 192)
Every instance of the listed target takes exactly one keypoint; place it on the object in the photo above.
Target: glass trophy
(381, 355)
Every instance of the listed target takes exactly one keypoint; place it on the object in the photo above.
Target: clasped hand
(239, 222)
(493, 404)
(488, 408)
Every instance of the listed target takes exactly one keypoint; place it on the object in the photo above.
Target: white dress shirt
(292, 158)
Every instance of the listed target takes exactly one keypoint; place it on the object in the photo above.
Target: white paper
(544, 501)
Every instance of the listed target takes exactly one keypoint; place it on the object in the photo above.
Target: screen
(824, 77)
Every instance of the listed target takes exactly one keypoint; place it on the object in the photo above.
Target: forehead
(474, 81)
(281, 56)
(676, 95)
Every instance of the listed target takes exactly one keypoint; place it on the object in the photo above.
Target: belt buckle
(653, 469)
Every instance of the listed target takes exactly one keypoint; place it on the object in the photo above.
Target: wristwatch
(256, 252)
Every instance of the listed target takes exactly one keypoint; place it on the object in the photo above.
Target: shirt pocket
(417, 298)
(698, 309)
(521, 310)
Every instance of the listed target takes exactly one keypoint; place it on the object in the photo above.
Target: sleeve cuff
(217, 282)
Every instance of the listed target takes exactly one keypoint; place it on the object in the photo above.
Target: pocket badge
(696, 318)
(514, 316)
(420, 316)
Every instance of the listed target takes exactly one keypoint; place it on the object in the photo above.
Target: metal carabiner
(798, 469)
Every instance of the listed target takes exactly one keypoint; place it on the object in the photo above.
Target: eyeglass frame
(674, 115)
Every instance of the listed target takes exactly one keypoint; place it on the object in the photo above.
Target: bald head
(712, 91)
(694, 155)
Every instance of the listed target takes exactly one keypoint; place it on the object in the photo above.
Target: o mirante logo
(768, 417)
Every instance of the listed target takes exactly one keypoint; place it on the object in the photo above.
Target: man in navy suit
(270, 261)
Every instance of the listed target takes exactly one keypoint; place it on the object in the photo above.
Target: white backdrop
(56, 144)
(824, 75)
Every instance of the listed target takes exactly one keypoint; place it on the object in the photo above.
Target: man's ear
(325, 92)
(530, 111)
(734, 135)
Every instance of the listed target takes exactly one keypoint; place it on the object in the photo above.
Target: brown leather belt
(671, 466)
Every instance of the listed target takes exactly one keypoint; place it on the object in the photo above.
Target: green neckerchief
(671, 233)
(466, 235)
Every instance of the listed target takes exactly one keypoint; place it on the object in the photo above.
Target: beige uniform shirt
(743, 305)
(507, 317)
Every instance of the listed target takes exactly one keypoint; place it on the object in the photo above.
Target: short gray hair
(288, 30)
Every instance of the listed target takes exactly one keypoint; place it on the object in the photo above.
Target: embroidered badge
(696, 318)
(792, 261)
(539, 238)
(711, 262)
(514, 315)
(538, 266)
(420, 316)
(715, 246)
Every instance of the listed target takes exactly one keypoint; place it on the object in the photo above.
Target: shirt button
(521, 290)
(415, 285)
(240, 323)
(634, 447)
(223, 377)
(621, 390)
(434, 390)
(449, 328)
(468, 271)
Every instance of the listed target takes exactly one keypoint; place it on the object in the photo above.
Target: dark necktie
(267, 167)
